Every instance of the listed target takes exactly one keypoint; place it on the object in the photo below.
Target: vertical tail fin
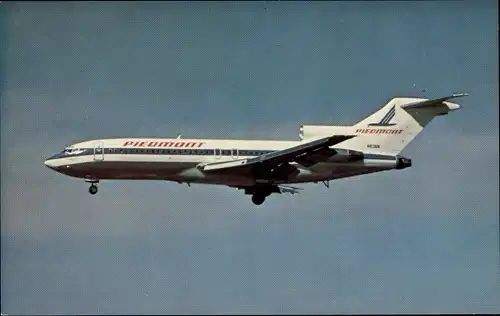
(397, 123)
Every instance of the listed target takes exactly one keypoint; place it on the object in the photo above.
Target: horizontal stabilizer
(435, 102)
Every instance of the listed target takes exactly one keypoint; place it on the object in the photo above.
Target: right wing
(311, 152)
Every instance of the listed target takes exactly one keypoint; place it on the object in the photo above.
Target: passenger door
(217, 153)
(234, 154)
(99, 151)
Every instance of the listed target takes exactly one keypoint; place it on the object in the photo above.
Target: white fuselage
(260, 167)
(178, 159)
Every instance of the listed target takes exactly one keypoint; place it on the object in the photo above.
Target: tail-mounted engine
(312, 131)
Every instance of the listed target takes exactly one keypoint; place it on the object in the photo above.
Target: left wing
(280, 188)
(314, 150)
(289, 189)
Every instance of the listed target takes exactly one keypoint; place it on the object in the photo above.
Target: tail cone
(403, 163)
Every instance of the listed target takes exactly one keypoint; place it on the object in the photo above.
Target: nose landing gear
(93, 186)
(93, 189)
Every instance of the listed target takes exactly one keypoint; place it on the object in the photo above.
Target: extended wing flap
(289, 189)
(224, 165)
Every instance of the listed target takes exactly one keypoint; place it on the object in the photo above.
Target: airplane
(260, 167)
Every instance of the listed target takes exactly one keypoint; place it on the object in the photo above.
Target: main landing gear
(259, 194)
(258, 198)
(93, 185)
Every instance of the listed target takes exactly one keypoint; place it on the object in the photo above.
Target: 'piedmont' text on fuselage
(162, 144)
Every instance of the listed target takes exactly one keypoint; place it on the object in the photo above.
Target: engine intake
(313, 131)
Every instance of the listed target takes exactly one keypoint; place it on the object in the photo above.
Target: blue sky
(424, 239)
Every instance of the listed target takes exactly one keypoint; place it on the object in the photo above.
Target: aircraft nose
(49, 163)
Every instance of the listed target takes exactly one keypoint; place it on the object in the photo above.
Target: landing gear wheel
(258, 199)
(93, 189)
